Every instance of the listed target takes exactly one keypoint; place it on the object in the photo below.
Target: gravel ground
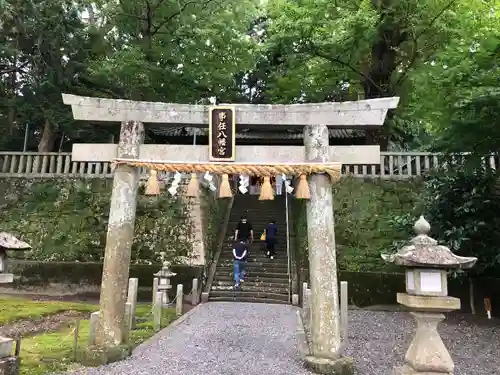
(256, 339)
(378, 341)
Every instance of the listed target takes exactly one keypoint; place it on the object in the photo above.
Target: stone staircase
(266, 280)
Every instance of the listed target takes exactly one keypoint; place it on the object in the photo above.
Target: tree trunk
(49, 136)
(11, 112)
(382, 136)
(379, 77)
(10, 119)
(471, 296)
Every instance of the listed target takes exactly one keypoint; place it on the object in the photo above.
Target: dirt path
(48, 323)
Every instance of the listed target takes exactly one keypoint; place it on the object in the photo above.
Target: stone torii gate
(314, 118)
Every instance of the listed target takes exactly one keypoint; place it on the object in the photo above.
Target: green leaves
(177, 51)
(462, 209)
(456, 91)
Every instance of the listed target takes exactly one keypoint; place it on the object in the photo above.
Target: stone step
(253, 266)
(243, 206)
(256, 224)
(257, 231)
(281, 242)
(255, 269)
(261, 261)
(264, 262)
(250, 288)
(248, 294)
(278, 212)
(246, 299)
(228, 277)
(255, 272)
(258, 216)
(260, 204)
(231, 225)
(256, 254)
(256, 250)
(257, 243)
(250, 267)
(257, 227)
(256, 263)
(230, 283)
(281, 239)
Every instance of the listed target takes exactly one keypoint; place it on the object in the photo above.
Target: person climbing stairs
(266, 280)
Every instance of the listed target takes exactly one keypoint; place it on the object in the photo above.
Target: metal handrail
(289, 266)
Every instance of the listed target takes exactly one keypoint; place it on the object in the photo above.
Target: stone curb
(301, 337)
(171, 326)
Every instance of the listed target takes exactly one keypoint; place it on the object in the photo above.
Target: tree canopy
(440, 56)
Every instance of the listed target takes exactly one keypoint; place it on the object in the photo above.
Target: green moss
(364, 211)
(66, 220)
(50, 352)
(14, 309)
(214, 211)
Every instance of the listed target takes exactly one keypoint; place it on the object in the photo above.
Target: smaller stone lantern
(427, 297)
(9, 243)
(164, 275)
(9, 364)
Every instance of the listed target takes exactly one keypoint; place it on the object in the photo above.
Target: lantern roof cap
(424, 251)
(10, 242)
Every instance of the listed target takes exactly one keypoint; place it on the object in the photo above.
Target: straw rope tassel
(152, 186)
(266, 191)
(302, 190)
(193, 188)
(225, 188)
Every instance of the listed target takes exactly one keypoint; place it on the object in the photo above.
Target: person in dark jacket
(271, 232)
(244, 230)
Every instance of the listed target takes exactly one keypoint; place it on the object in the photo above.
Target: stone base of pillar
(94, 355)
(204, 297)
(339, 366)
(407, 370)
(9, 365)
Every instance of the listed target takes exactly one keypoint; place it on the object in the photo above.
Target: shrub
(66, 220)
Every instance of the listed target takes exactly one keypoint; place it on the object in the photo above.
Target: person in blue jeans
(239, 255)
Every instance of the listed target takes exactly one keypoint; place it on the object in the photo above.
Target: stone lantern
(164, 275)
(9, 243)
(427, 297)
(9, 364)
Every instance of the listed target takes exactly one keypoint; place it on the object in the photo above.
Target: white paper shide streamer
(175, 184)
(244, 182)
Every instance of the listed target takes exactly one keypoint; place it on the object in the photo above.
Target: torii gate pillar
(109, 333)
(325, 346)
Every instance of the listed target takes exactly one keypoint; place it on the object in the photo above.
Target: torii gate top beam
(358, 114)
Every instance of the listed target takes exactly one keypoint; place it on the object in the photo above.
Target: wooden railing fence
(393, 165)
